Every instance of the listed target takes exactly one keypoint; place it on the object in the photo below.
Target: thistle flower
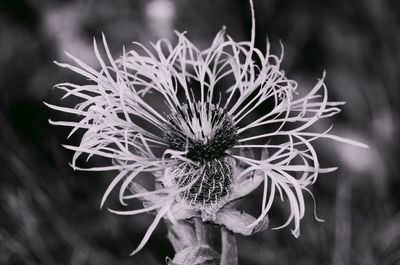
(226, 121)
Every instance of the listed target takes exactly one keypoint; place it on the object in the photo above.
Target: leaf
(179, 212)
(138, 189)
(246, 186)
(239, 222)
(181, 234)
(194, 256)
(148, 199)
(245, 152)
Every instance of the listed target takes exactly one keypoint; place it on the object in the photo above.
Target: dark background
(50, 214)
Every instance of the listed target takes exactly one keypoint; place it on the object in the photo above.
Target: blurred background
(50, 214)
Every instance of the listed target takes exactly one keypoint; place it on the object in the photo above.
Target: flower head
(211, 125)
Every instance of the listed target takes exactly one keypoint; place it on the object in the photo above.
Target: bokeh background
(50, 214)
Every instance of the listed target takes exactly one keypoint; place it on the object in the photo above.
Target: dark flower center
(180, 131)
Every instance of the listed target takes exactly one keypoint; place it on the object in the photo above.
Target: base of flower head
(205, 186)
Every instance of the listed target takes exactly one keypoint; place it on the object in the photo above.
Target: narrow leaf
(194, 256)
(240, 222)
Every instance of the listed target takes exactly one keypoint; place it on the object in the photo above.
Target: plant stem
(202, 232)
(229, 252)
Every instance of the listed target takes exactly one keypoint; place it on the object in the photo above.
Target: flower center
(205, 132)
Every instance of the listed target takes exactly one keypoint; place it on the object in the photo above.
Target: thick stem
(202, 232)
(229, 252)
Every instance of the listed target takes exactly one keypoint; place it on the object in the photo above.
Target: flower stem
(229, 252)
(202, 232)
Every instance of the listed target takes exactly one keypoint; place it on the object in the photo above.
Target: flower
(211, 126)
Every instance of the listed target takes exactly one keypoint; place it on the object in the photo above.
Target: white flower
(193, 118)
